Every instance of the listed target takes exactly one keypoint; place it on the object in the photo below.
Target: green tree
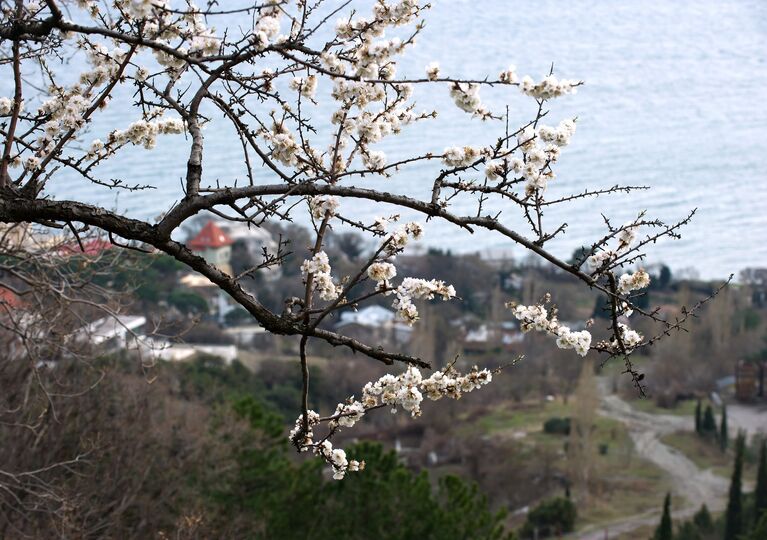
(698, 419)
(551, 517)
(708, 426)
(187, 301)
(760, 493)
(664, 278)
(688, 531)
(759, 532)
(664, 530)
(723, 429)
(269, 496)
(734, 514)
(702, 519)
(699, 528)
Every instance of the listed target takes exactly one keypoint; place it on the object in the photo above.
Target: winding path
(696, 486)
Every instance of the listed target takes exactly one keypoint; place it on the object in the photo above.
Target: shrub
(551, 517)
(557, 426)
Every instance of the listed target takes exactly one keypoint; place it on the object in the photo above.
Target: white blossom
(6, 106)
(466, 96)
(318, 267)
(374, 160)
(432, 71)
(536, 317)
(381, 271)
(456, 156)
(632, 282)
(306, 86)
(627, 235)
(323, 205)
(549, 87)
(509, 76)
(630, 338)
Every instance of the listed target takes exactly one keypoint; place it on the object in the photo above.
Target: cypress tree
(760, 493)
(702, 519)
(664, 530)
(709, 422)
(734, 516)
(697, 418)
(723, 429)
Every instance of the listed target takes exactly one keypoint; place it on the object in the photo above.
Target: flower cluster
(630, 338)
(284, 146)
(105, 65)
(496, 169)
(432, 71)
(6, 106)
(631, 282)
(143, 132)
(549, 87)
(382, 271)
(456, 156)
(267, 27)
(65, 110)
(319, 268)
(336, 458)
(536, 165)
(306, 86)
(323, 205)
(536, 317)
(415, 288)
(396, 241)
(509, 76)
(405, 391)
(374, 160)
(466, 97)
(560, 135)
(625, 237)
(142, 9)
(396, 14)
(304, 439)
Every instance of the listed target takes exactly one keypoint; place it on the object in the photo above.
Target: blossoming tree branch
(263, 77)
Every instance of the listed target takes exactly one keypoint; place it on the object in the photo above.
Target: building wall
(218, 255)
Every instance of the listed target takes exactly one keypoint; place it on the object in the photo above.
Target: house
(492, 336)
(249, 243)
(750, 381)
(251, 336)
(374, 324)
(90, 248)
(112, 332)
(9, 299)
(180, 352)
(213, 245)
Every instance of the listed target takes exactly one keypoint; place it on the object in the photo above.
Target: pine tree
(723, 429)
(664, 530)
(734, 516)
(760, 493)
(698, 418)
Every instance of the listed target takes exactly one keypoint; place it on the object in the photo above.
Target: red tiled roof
(91, 247)
(210, 236)
(8, 298)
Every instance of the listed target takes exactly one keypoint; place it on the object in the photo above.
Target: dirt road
(694, 485)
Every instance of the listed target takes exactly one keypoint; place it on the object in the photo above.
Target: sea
(674, 98)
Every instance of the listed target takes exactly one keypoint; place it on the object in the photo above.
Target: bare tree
(261, 72)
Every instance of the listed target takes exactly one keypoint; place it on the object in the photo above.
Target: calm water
(674, 98)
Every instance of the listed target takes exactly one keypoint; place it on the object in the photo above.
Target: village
(219, 328)
(176, 319)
